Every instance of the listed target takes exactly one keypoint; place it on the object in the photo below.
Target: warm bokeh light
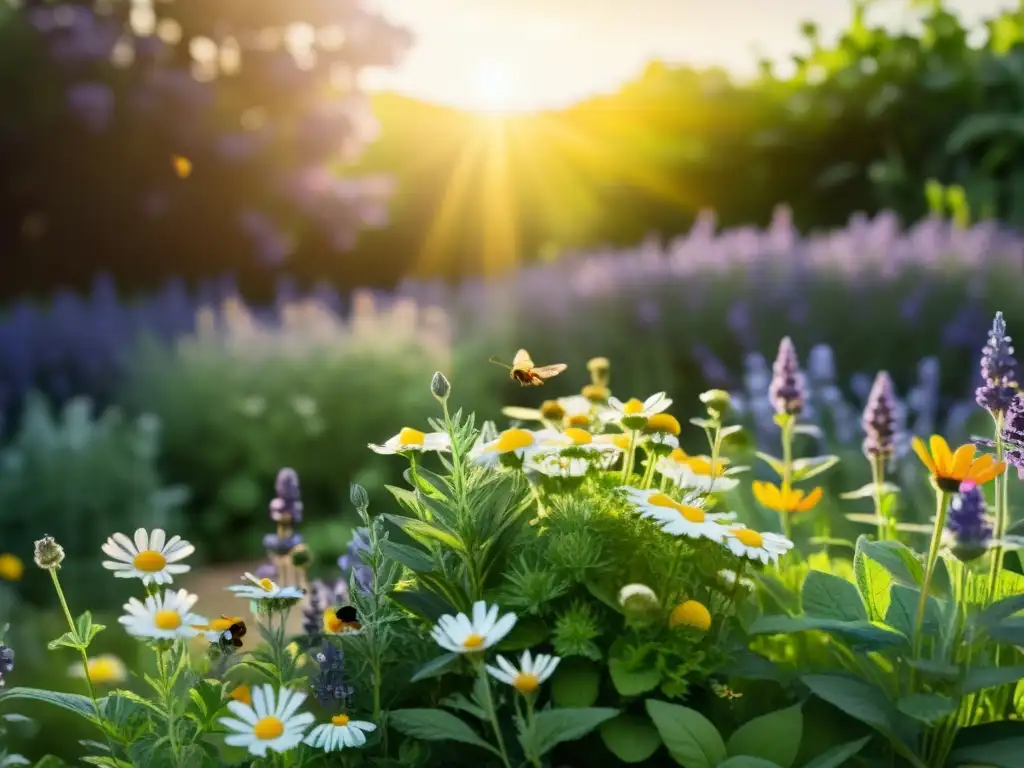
(496, 86)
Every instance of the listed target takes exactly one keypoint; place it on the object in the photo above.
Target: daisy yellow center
(513, 440)
(268, 728)
(167, 620)
(678, 454)
(104, 670)
(632, 407)
(578, 420)
(409, 436)
(692, 514)
(473, 641)
(149, 561)
(242, 694)
(690, 614)
(749, 537)
(664, 422)
(702, 466)
(340, 720)
(526, 682)
(266, 585)
(578, 436)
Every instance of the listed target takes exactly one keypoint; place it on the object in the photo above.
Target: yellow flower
(690, 614)
(949, 469)
(663, 422)
(785, 499)
(552, 410)
(242, 693)
(596, 393)
(11, 567)
(106, 669)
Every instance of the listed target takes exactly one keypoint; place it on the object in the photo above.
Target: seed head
(49, 554)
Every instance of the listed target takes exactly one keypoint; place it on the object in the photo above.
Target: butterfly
(526, 373)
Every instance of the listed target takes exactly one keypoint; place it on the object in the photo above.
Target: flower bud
(439, 386)
(358, 496)
(49, 554)
(690, 614)
(717, 401)
(600, 369)
(639, 602)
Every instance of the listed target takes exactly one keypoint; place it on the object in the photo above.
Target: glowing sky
(529, 54)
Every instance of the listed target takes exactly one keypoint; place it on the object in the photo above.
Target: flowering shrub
(580, 578)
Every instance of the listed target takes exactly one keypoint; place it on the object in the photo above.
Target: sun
(495, 86)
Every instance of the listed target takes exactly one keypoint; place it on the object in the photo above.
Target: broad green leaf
(998, 754)
(630, 738)
(980, 678)
(786, 600)
(1009, 632)
(435, 667)
(554, 726)
(630, 681)
(748, 761)
(80, 705)
(414, 559)
(999, 611)
(576, 683)
(831, 597)
(421, 603)
(461, 703)
(774, 737)
(776, 464)
(435, 725)
(896, 558)
(936, 668)
(926, 707)
(873, 582)
(862, 634)
(868, 491)
(839, 755)
(67, 640)
(690, 737)
(902, 611)
(423, 532)
(805, 469)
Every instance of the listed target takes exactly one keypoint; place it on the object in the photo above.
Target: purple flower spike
(287, 507)
(998, 369)
(6, 662)
(967, 523)
(879, 419)
(786, 390)
(1013, 434)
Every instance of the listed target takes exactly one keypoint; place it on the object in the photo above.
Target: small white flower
(551, 465)
(459, 634)
(414, 440)
(151, 557)
(763, 547)
(618, 410)
(729, 577)
(686, 518)
(341, 732)
(268, 723)
(162, 616)
(518, 442)
(699, 473)
(264, 589)
(662, 438)
(531, 673)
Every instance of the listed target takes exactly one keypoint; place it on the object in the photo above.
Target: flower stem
(877, 481)
(942, 502)
(169, 704)
(787, 475)
(649, 470)
(627, 463)
(1002, 513)
(492, 715)
(533, 759)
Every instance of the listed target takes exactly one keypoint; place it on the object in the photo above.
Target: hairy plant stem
(877, 481)
(942, 502)
(169, 704)
(492, 714)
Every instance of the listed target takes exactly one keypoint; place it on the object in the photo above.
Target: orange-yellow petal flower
(785, 499)
(950, 468)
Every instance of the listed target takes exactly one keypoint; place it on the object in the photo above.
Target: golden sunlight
(495, 86)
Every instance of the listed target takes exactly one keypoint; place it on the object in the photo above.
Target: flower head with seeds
(635, 414)
(272, 722)
(950, 468)
(166, 616)
(150, 557)
(264, 589)
(340, 733)
(531, 673)
(460, 634)
(409, 439)
(785, 500)
(763, 547)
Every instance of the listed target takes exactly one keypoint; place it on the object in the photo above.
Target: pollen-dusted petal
(941, 455)
(922, 453)
(960, 465)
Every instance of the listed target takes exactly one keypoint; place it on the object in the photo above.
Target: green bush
(80, 477)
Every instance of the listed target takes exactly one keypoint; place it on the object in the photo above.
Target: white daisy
(459, 634)
(151, 557)
(162, 616)
(531, 673)
(633, 414)
(515, 442)
(264, 589)
(552, 465)
(341, 732)
(763, 547)
(267, 723)
(699, 473)
(413, 440)
(686, 518)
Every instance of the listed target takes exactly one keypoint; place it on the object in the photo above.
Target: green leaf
(1000, 611)
(873, 582)
(414, 559)
(805, 469)
(72, 702)
(631, 681)
(774, 737)
(435, 725)
(435, 667)
(936, 668)
(980, 678)
(554, 726)
(896, 558)
(778, 467)
(928, 708)
(424, 532)
(67, 640)
(747, 761)
(630, 738)
(690, 737)
(787, 600)
(1010, 632)
(461, 703)
(839, 755)
(703, 423)
(87, 630)
(868, 491)
(862, 701)
(862, 634)
(903, 611)
(422, 603)
(576, 683)
(526, 634)
(830, 597)
(998, 754)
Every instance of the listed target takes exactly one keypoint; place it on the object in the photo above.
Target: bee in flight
(233, 635)
(524, 371)
(340, 620)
